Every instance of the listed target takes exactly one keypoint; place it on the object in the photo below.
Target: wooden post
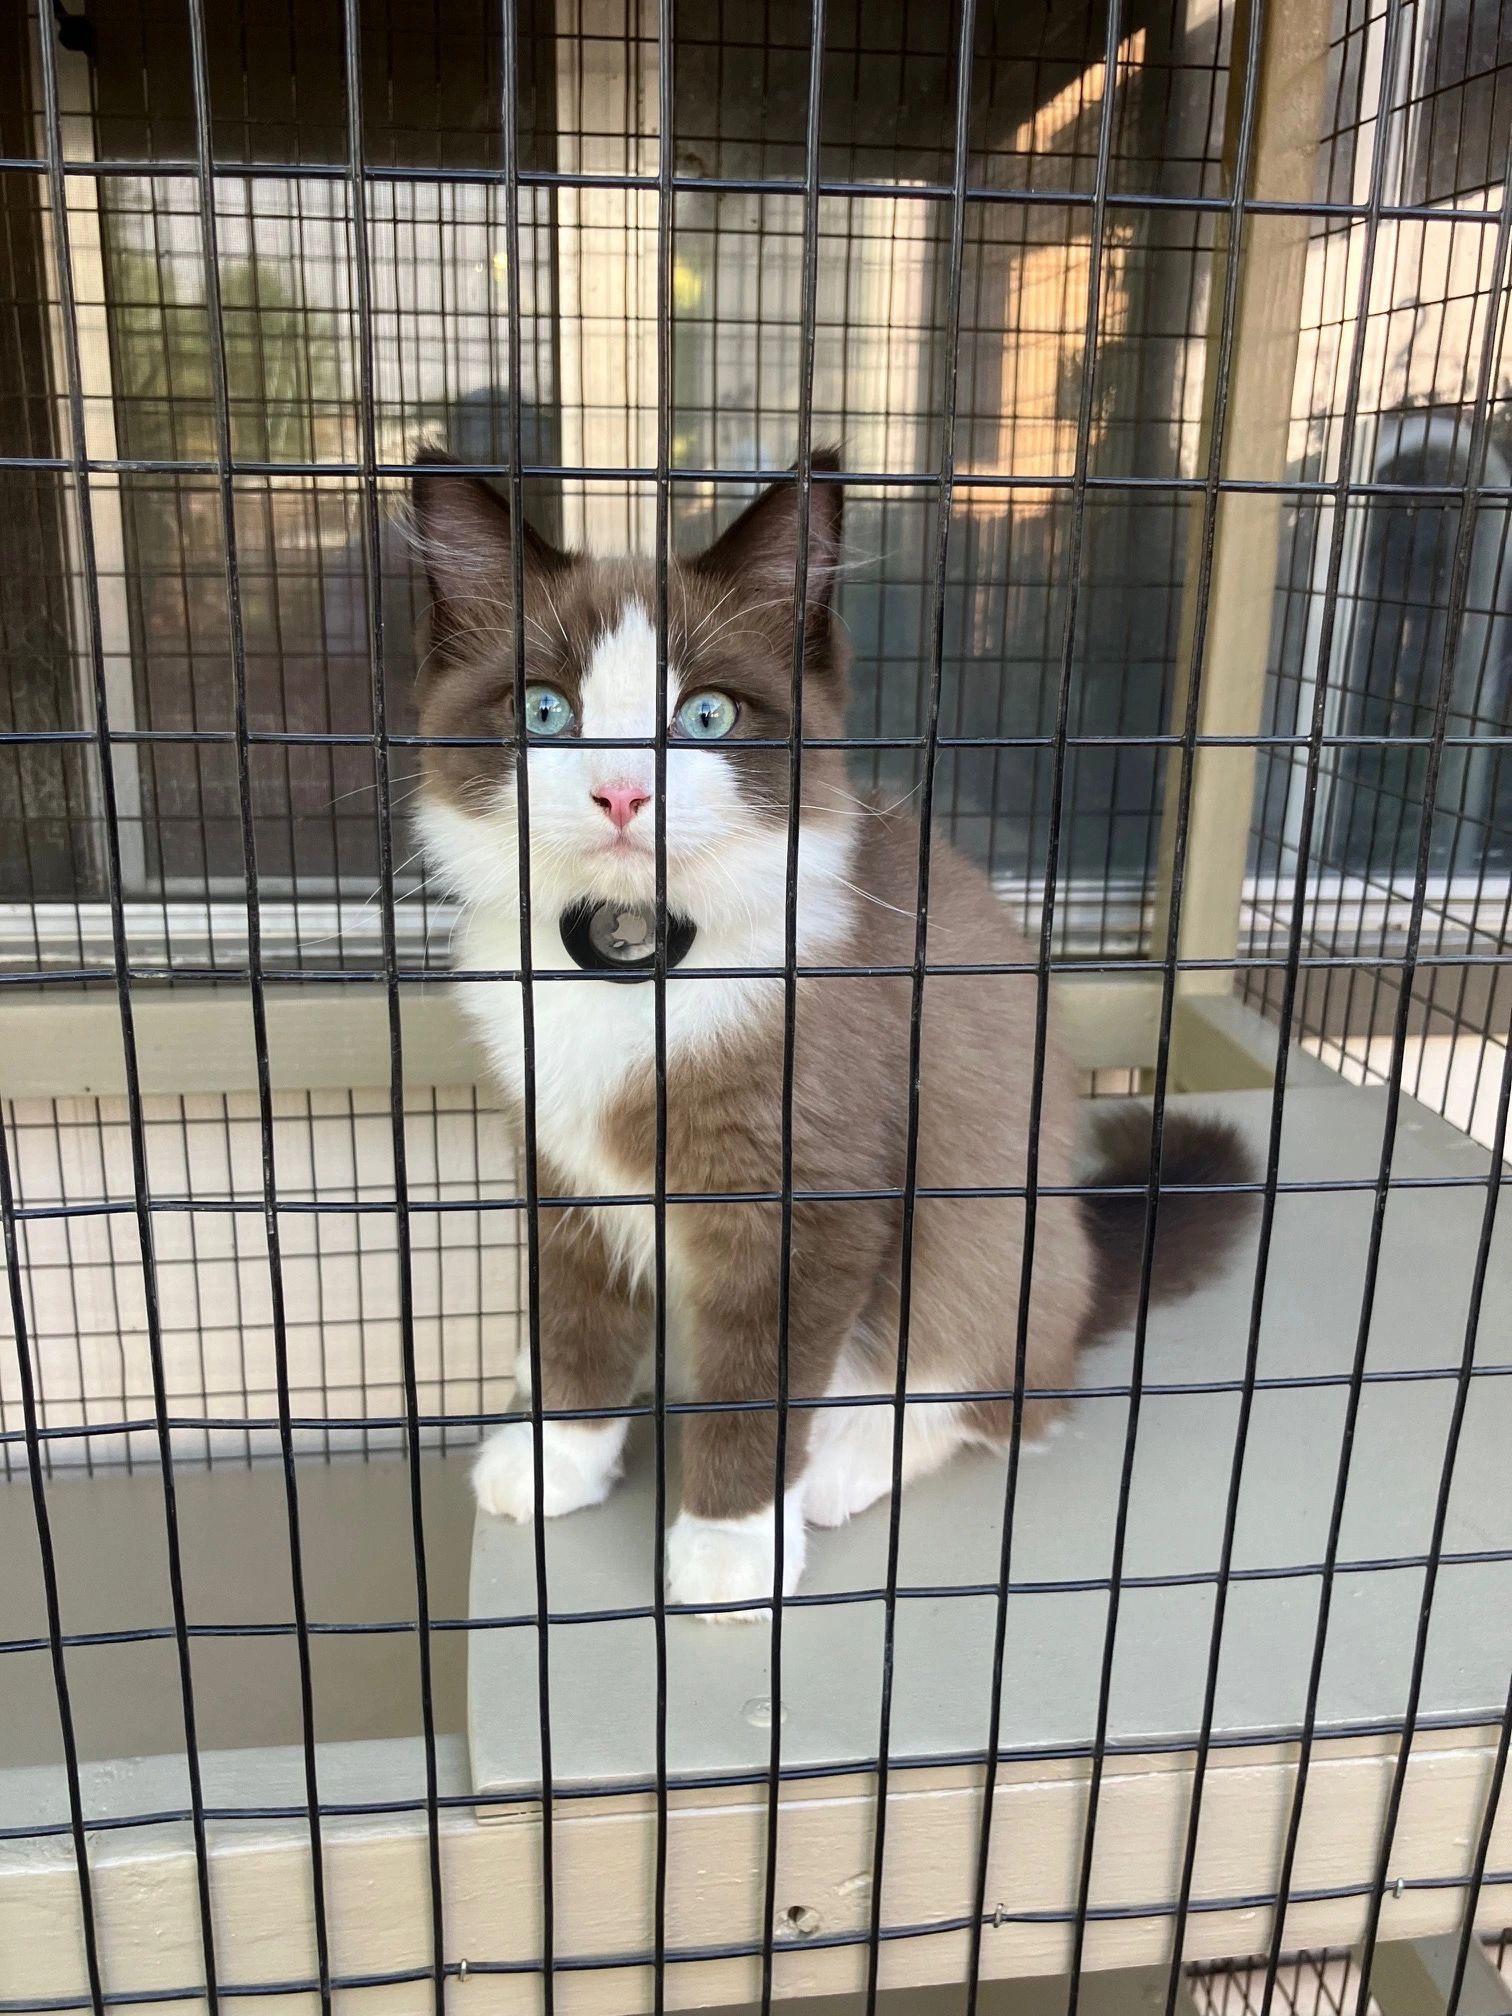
(1293, 66)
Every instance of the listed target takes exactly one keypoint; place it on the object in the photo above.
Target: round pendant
(621, 937)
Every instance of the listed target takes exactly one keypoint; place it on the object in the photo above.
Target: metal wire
(527, 980)
(1388, 1139)
(1325, 928)
(47, 1561)
(666, 145)
(805, 474)
(851, 479)
(140, 1185)
(695, 1955)
(272, 1231)
(1288, 1002)
(1032, 1188)
(920, 190)
(1469, 507)
(712, 1781)
(965, 49)
(372, 549)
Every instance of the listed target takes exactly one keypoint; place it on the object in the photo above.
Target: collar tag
(604, 937)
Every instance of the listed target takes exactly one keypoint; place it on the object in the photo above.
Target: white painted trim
(189, 931)
(87, 255)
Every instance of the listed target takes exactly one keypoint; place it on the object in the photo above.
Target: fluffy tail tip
(1204, 1207)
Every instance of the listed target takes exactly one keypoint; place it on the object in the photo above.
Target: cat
(590, 670)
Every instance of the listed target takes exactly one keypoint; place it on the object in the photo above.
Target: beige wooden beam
(1247, 533)
(604, 1848)
(199, 1039)
(57, 1044)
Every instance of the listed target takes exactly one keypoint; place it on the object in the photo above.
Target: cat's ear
(760, 550)
(465, 540)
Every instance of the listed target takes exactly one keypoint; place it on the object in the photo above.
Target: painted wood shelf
(603, 1673)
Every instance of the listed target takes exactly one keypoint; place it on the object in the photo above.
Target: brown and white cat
(591, 673)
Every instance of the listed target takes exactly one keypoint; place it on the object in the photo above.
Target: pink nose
(619, 803)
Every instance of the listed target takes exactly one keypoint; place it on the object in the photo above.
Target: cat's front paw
(579, 1466)
(733, 1561)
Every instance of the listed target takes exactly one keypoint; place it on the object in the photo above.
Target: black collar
(604, 937)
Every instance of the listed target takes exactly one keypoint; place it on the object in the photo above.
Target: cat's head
(590, 675)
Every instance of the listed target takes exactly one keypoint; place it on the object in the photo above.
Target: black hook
(75, 32)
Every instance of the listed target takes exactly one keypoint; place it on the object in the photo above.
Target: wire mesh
(1038, 272)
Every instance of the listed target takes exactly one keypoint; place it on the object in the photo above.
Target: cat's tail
(1194, 1232)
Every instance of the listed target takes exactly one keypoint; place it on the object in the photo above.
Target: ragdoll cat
(591, 672)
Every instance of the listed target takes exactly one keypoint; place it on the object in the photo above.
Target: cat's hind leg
(851, 1451)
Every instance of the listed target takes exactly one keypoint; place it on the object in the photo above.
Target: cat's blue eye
(547, 712)
(707, 716)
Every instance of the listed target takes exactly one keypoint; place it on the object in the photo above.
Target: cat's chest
(593, 1042)
(594, 1047)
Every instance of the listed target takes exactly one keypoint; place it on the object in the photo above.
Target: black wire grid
(1320, 1984)
(254, 429)
(1317, 1984)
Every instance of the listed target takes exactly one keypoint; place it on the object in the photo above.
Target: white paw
(580, 1462)
(734, 1560)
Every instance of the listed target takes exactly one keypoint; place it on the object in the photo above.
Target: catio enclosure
(1165, 342)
